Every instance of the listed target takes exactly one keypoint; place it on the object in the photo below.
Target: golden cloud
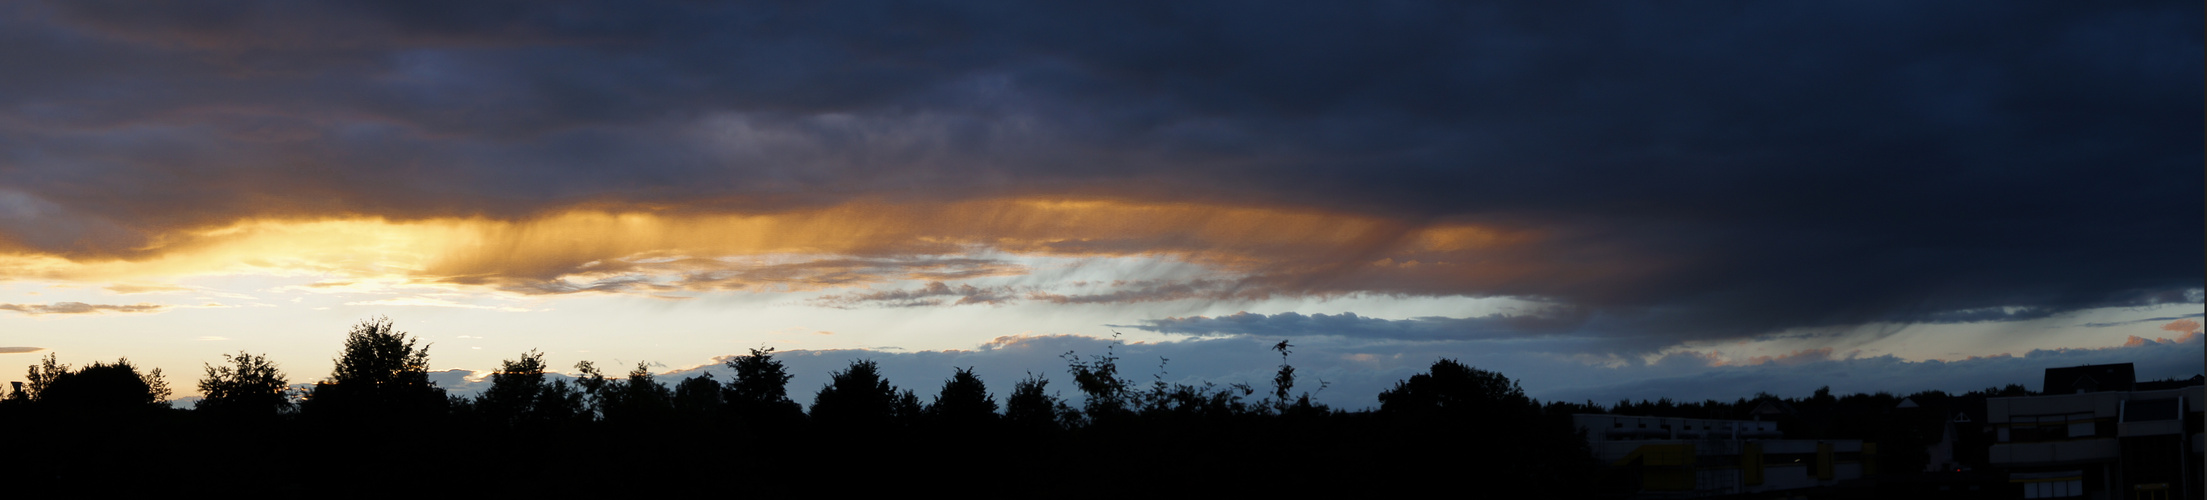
(657, 250)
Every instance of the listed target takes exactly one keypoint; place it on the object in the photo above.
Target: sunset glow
(1603, 204)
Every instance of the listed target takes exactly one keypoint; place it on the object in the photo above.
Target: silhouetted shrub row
(377, 415)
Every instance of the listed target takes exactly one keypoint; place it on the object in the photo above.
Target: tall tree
(42, 375)
(245, 386)
(1454, 406)
(642, 398)
(759, 393)
(964, 400)
(520, 395)
(513, 390)
(638, 398)
(697, 398)
(381, 373)
(1108, 396)
(857, 397)
(1031, 406)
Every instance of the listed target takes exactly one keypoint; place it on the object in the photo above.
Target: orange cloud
(2187, 336)
(2182, 326)
(1269, 250)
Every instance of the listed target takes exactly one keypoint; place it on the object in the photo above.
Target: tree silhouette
(246, 386)
(381, 373)
(513, 390)
(964, 401)
(596, 388)
(1285, 379)
(99, 388)
(759, 394)
(1457, 406)
(1108, 396)
(857, 397)
(41, 375)
(906, 409)
(698, 397)
(1452, 389)
(638, 398)
(642, 398)
(1032, 407)
(520, 395)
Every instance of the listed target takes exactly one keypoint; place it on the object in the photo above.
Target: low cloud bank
(1682, 376)
(1354, 371)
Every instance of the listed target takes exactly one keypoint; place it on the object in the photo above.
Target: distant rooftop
(2090, 378)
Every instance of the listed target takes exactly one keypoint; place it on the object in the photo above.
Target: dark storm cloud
(1729, 169)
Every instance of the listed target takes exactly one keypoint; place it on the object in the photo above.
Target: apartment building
(2096, 433)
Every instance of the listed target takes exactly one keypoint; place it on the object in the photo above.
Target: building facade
(2095, 435)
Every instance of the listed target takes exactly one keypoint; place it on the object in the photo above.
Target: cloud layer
(1670, 173)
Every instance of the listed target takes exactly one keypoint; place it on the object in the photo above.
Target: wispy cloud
(1289, 324)
(1114, 292)
(932, 294)
(433, 302)
(82, 308)
(127, 288)
(2106, 324)
(19, 350)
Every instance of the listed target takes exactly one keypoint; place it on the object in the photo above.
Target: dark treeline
(377, 426)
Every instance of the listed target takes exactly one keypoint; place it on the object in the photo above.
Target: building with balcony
(2095, 433)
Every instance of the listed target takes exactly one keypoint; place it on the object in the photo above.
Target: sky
(1600, 200)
